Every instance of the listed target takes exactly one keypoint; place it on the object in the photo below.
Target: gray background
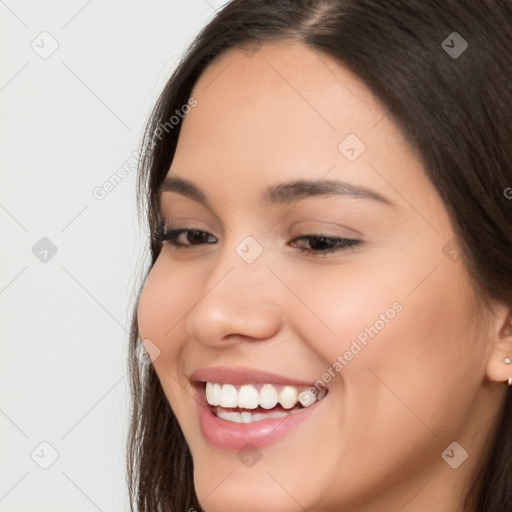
(69, 120)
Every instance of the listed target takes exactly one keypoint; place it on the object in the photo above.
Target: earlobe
(508, 361)
(499, 365)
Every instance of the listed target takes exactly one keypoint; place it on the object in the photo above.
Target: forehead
(287, 112)
(287, 87)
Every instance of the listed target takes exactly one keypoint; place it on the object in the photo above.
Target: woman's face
(265, 293)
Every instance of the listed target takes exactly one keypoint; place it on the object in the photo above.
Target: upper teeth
(248, 396)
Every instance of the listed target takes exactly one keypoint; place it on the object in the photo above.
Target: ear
(498, 370)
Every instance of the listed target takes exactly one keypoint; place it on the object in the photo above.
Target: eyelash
(343, 243)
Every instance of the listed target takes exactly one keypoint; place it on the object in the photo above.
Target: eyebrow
(282, 193)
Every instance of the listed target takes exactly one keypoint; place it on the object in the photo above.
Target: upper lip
(240, 376)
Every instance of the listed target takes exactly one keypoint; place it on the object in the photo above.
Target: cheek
(164, 303)
(337, 306)
(396, 334)
(420, 369)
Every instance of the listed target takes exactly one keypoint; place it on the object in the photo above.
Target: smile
(237, 406)
(248, 403)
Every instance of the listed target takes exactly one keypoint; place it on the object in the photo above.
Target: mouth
(257, 402)
(238, 407)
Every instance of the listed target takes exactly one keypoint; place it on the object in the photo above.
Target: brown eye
(325, 244)
(191, 237)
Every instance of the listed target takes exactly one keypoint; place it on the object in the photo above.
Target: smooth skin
(433, 375)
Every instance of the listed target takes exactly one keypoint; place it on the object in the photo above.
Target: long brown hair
(454, 109)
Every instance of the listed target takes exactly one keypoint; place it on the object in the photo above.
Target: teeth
(275, 414)
(246, 417)
(248, 397)
(306, 398)
(249, 417)
(213, 393)
(228, 396)
(268, 397)
(288, 397)
(230, 416)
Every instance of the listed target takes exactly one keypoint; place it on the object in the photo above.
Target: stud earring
(507, 360)
(510, 381)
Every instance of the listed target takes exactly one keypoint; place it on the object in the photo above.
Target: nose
(239, 301)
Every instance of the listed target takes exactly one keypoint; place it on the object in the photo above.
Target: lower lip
(235, 436)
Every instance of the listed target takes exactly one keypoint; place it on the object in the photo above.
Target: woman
(328, 310)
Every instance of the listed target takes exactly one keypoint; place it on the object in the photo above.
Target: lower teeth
(249, 417)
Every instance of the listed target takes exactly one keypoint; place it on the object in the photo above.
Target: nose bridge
(240, 296)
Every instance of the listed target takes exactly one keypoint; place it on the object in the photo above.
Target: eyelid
(185, 223)
(322, 223)
(165, 212)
